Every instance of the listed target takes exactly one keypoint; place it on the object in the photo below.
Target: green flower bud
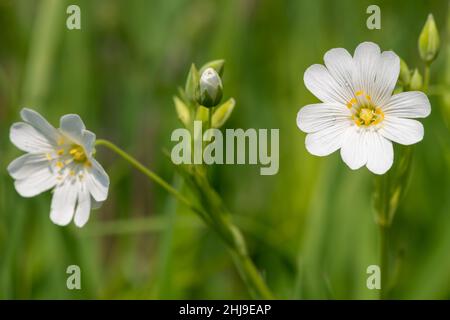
(416, 81)
(429, 41)
(210, 88)
(405, 73)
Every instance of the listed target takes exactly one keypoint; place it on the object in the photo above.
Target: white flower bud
(210, 88)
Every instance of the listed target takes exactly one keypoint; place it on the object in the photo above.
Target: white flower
(59, 159)
(359, 114)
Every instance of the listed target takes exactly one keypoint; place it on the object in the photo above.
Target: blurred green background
(310, 228)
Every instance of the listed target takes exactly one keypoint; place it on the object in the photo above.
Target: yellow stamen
(59, 164)
(380, 115)
(78, 154)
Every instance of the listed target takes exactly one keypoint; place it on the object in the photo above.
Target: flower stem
(383, 221)
(384, 260)
(210, 114)
(229, 232)
(426, 77)
(150, 174)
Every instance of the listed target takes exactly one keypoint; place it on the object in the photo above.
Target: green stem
(251, 276)
(247, 270)
(210, 114)
(383, 220)
(426, 77)
(384, 260)
(147, 172)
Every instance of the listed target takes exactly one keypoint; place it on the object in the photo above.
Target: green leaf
(182, 111)
(202, 114)
(222, 113)
(217, 65)
(192, 83)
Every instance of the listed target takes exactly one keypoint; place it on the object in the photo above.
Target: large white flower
(59, 159)
(359, 114)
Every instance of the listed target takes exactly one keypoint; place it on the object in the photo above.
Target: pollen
(78, 154)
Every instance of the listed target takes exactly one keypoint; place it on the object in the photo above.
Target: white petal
(341, 67)
(28, 139)
(40, 124)
(319, 81)
(403, 131)
(326, 141)
(366, 59)
(38, 181)
(88, 141)
(354, 148)
(411, 104)
(27, 165)
(316, 117)
(380, 155)
(83, 207)
(63, 203)
(97, 181)
(73, 126)
(385, 78)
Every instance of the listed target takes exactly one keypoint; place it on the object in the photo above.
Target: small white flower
(359, 114)
(59, 159)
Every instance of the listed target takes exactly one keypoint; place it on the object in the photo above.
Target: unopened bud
(429, 40)
(416, 81)
(405, 73)
(210, 88)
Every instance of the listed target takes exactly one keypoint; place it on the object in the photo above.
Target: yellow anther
(359, 93)
(49, 156)
(60, 152)
(60, 141)
(77, 153)
(351, 103)
(59, 164)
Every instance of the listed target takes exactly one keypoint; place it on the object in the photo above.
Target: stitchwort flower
(59, 159)
(358, 114)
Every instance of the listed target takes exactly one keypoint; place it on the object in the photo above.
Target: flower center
(78, 154)
(364, 111)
